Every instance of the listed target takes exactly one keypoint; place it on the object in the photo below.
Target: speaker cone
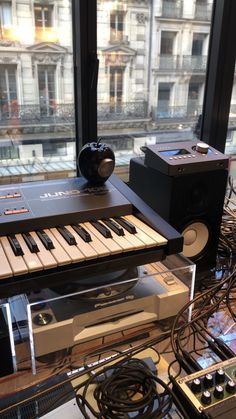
(196, 237)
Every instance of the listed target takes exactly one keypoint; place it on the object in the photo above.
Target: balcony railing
(172, 9)
(184, 63)
(203, 12)
(175, 112)
(122, 111)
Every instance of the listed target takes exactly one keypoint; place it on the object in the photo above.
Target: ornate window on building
(8, 92)
(116, 88)
(116, 26)
(44, 29)
(5, 20)
(164, 94)
(47, 94)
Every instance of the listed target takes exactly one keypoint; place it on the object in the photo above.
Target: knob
(202, 148)
(206, 397)
(220, 375)
(196, 385)
(208, 381)
(219, 392)
(231, 386)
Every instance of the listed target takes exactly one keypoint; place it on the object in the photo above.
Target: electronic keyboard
(65, 230)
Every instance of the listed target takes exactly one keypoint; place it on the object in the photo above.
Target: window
(46, 80)
(197, 46)
(5, 20)
(167, 42)
(164, 93)
(8, 92)
(116, 88)
(43, 16)
(116, 26)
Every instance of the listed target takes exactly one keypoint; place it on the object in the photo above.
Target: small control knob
(196, 385)
(231, 387)
(208, 381)
(202, 148)
(219, 392)
(206, 397)
(220, 376)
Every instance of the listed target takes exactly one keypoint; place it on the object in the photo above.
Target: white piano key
(44, 255)
(148, 230)
(120, 240)
(112, 245)
(134, 240)
(88, 251)
(71, 250)
(5, 269)
(31, 259)
(17, 263)
(58, 252)
(96, 243)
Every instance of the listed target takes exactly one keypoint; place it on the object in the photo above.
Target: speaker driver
(196, 236)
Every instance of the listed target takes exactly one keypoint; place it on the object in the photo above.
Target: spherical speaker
(196, 237)
(96, 162)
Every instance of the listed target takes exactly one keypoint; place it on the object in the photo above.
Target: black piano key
(67, 235)
(15, 245)
(45, 239)
(31, 243)
(84, 234)
(114, 226)
(126, 224)
(102, 229)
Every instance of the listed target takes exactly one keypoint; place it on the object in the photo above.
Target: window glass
(152, 67)
(230, 148)
(37, 127)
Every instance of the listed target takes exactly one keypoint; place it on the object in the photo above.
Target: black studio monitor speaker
(185, 183)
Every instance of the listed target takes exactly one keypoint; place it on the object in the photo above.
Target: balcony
(203, 12)
(165, 111)
(182, 63)
(172, 9)
(194, 62)
(30, 119)
(122, 111)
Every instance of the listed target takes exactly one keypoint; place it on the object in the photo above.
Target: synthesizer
(52, 231)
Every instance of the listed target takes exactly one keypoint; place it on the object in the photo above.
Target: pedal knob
(219, 392)
(196, 385)
(206, 397)
(220, 376)
(231, 386)
(208, 381)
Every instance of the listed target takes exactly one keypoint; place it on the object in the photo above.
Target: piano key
(148, 230)
(58, 252)
(126, 224)
(109, 243)
(45, 239)
(146, 239)
(15, 245)
(31, 259)
(30, 242)
(82, 232)
(5, 266)
(45, 256)
(113, 226)
(102, 229)
(88, 251)
(122, 241)
(134, 241)
(68, 236)
(17, 263)
(71, 250)
(97, 243)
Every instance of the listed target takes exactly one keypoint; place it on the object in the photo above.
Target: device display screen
(174, 152)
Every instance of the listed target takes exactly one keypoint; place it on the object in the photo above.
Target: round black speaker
(96, 162)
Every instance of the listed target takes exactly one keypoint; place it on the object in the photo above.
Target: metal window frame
(220, 74)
